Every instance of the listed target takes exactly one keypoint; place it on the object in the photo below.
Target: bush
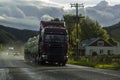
(70, 53)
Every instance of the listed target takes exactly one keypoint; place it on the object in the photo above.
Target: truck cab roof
(52, 23)
(55, 30)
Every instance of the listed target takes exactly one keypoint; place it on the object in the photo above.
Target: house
(97, 46)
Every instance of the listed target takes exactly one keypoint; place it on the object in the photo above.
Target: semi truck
(50, 46)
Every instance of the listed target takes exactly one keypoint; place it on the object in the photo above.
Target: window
(100, 43)
(56, 38)
(101, 51)
(110, 52)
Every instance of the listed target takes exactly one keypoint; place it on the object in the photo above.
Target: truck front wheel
(61, 63)
(42, 62)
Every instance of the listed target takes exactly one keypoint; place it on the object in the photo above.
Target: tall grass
(102, 61)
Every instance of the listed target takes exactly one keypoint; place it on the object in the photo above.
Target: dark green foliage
(114, 31)
(70, 25)
(56, 19)
(92, 29)
(112, 41)
(87, 29)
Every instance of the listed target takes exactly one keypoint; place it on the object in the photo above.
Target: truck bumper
(55, 58)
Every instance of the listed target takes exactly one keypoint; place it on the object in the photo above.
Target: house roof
(92, 41)
(89, 41)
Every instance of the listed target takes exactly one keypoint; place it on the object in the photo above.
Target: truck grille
(56, 57)
(56, 49)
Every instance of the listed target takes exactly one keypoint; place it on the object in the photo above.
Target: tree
(55, 19)
(73, 34)
(112, 41)
(70, 25)
(88, 28)
(92, 29)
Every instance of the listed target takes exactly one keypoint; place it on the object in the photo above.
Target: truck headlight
(65, 57)
(44, 56)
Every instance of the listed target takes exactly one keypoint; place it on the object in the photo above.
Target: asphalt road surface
(14, 68)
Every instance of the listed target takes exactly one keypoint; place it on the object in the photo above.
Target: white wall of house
(118, 50)
(101, 50)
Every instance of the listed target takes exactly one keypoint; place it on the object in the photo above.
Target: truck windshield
(55, 38)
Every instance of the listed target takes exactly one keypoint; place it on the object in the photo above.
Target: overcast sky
(29, 12)
(89, 2)
(65, 2)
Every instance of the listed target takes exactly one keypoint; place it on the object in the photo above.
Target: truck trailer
(50, 46)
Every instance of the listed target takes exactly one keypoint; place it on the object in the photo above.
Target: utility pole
(77, 19)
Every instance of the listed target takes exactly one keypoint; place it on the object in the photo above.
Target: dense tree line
(114, 31)
(87, 29)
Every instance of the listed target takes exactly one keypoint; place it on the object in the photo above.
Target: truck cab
(53, 42)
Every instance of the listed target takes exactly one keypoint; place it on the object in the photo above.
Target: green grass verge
(82, 63)
(113, 66)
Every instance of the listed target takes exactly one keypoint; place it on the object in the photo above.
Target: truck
(51, 44)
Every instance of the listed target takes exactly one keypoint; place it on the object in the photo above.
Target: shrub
(107, 62)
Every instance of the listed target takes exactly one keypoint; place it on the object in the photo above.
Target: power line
(77, 19)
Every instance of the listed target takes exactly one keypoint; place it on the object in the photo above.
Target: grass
(114, 66)
(94, 63)
(82, 63)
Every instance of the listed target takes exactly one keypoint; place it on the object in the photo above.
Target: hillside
(114, 31)
(6, 37)
(8, 34)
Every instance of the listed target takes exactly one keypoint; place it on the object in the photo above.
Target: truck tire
(63, 64)
(42, 62)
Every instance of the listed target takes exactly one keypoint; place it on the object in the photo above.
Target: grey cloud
(24, 14)
(27, 14)
(20, 23)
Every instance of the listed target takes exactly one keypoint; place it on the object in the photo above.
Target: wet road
(14, 68)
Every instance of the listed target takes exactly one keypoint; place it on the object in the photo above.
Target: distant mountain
(8, 34)
(24, 14)
(114, 31)
(105, 14)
